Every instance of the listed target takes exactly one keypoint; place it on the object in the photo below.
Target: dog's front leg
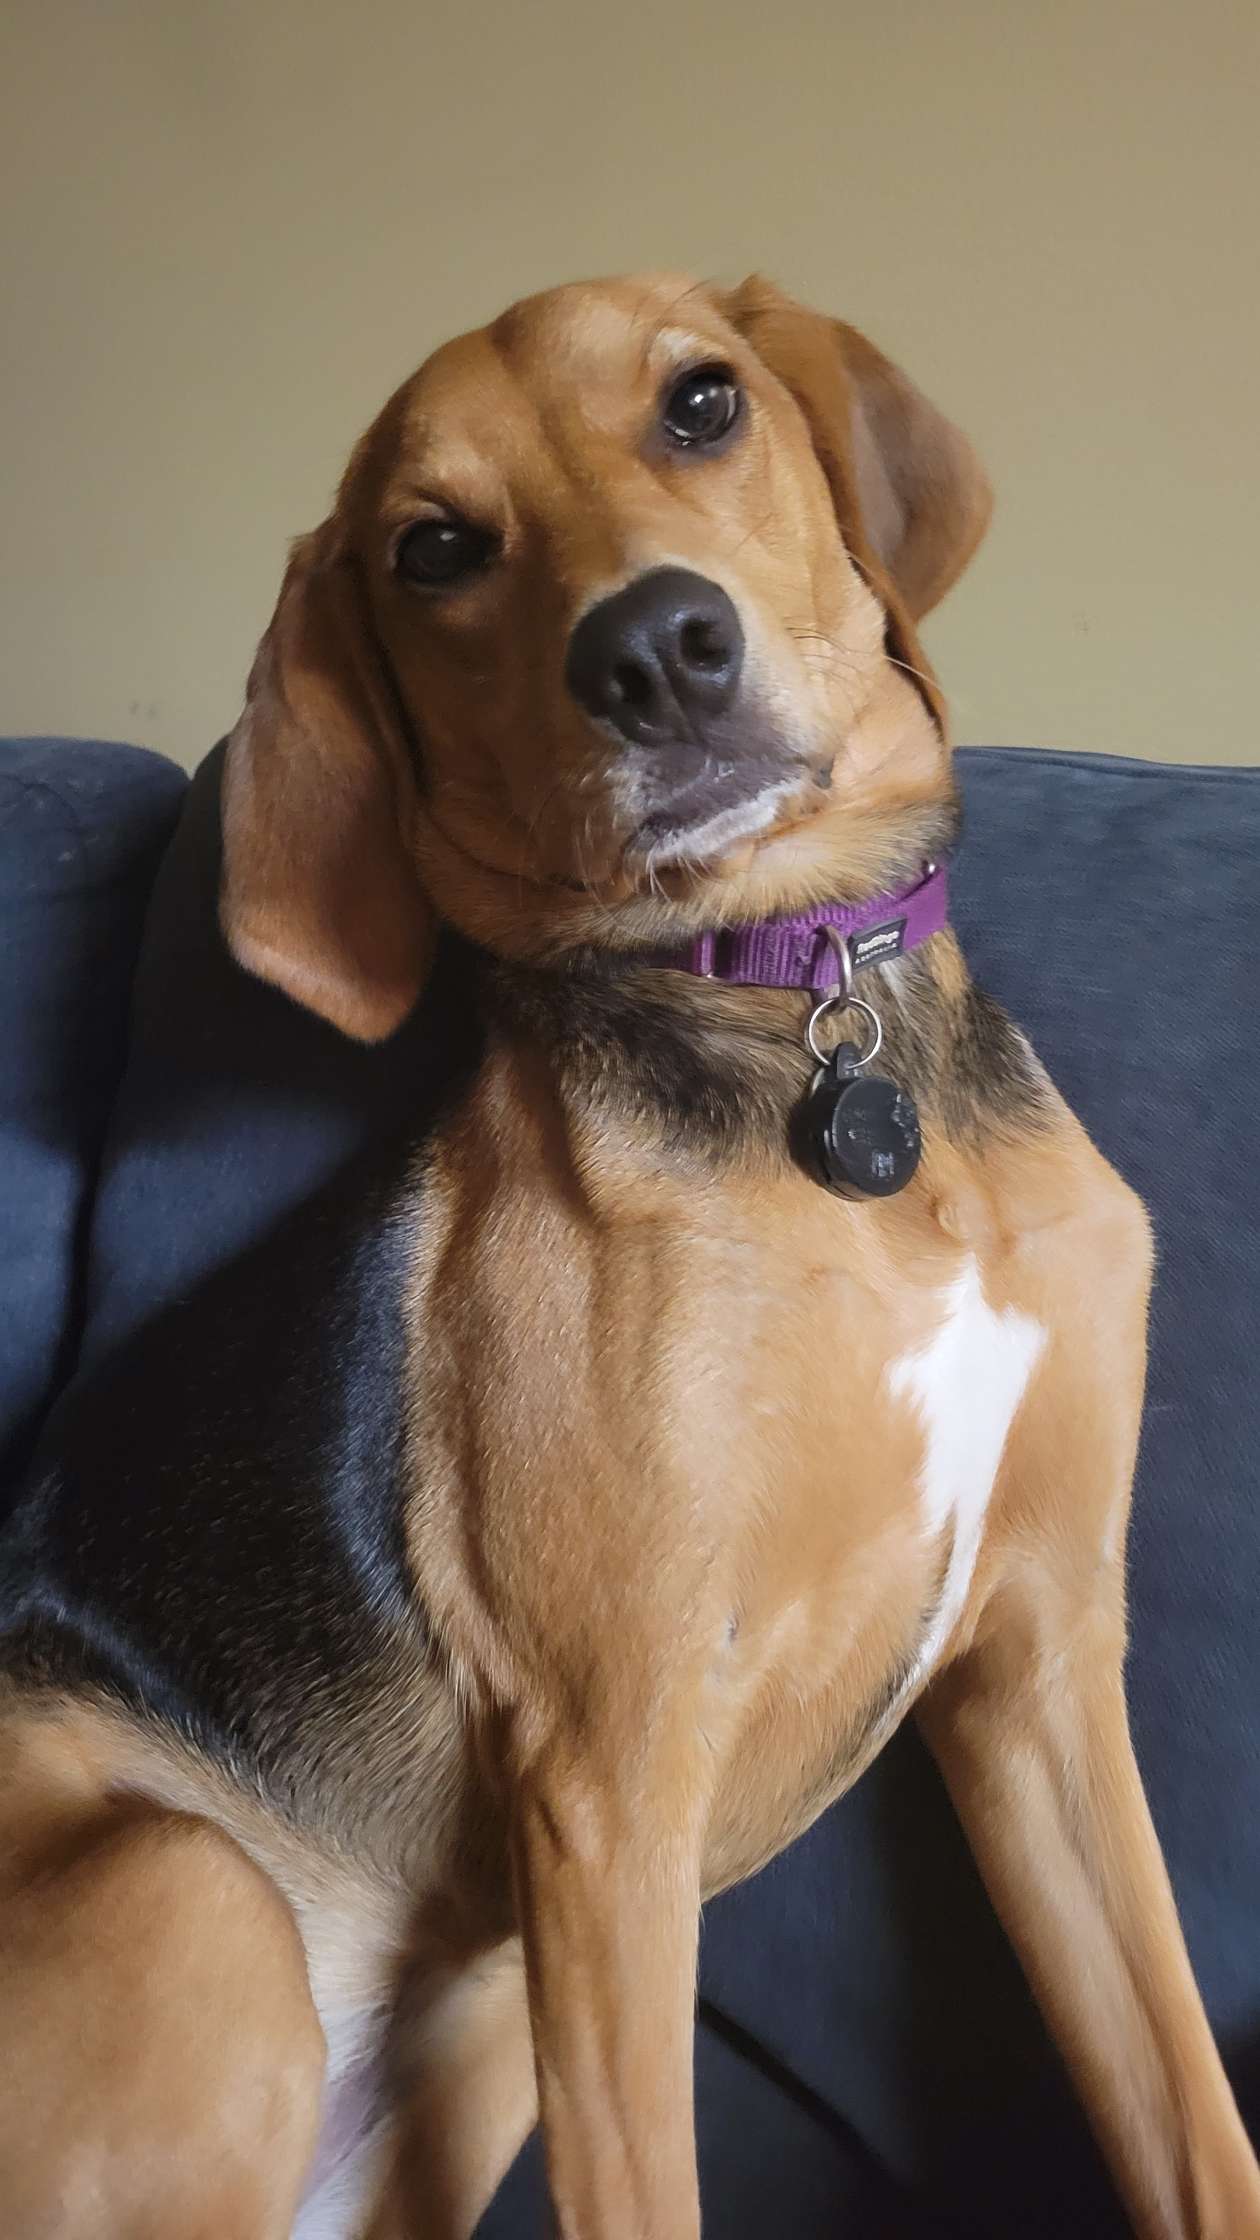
(1030, 1729)
(1041, 1770)
(606, 1855)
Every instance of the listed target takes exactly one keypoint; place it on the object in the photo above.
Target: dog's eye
(703, 406)
(441, 550)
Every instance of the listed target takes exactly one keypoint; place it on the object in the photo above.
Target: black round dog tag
(864, 1132)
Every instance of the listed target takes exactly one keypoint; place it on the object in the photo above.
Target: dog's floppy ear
(912, 498)
(320, 894)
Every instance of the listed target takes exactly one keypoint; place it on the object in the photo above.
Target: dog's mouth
(711, 827)
(719, 822)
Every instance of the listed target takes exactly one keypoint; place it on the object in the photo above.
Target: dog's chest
(888, 1452)
(744, 1430)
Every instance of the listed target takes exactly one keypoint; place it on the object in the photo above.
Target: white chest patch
(966, 1384)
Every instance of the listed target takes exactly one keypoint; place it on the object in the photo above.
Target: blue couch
(867, 2057)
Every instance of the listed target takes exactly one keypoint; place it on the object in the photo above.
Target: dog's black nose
(658, 658)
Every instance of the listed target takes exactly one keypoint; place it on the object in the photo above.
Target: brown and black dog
(548, 1557)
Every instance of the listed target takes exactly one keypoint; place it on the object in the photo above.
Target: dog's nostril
(702, 644)
(631, 685)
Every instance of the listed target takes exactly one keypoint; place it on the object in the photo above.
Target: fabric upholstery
(82, 826)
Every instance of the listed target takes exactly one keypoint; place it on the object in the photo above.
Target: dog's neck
(720, 1071)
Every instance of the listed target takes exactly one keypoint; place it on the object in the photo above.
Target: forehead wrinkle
(545, 422)
(566, 363)
(559, 367)
(441, 467)
(468, 425)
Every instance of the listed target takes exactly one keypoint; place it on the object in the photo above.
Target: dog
(399, 1653)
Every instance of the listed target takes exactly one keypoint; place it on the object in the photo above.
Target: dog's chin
(683, 842)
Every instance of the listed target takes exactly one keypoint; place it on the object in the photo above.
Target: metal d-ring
(844, 1003)
(842, 998)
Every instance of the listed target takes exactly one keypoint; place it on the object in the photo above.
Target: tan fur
(664, 1516)
(162, 2054)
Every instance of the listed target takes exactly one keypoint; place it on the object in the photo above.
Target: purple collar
(795, 952)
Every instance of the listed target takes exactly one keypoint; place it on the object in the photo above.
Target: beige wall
(237, 225)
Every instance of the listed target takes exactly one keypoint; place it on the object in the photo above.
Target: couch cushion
(82, 826)
(235, 1107)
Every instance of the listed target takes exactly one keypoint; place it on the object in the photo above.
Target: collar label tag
(877, 945)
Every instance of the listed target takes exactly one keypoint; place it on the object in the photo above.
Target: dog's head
(609, 636)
